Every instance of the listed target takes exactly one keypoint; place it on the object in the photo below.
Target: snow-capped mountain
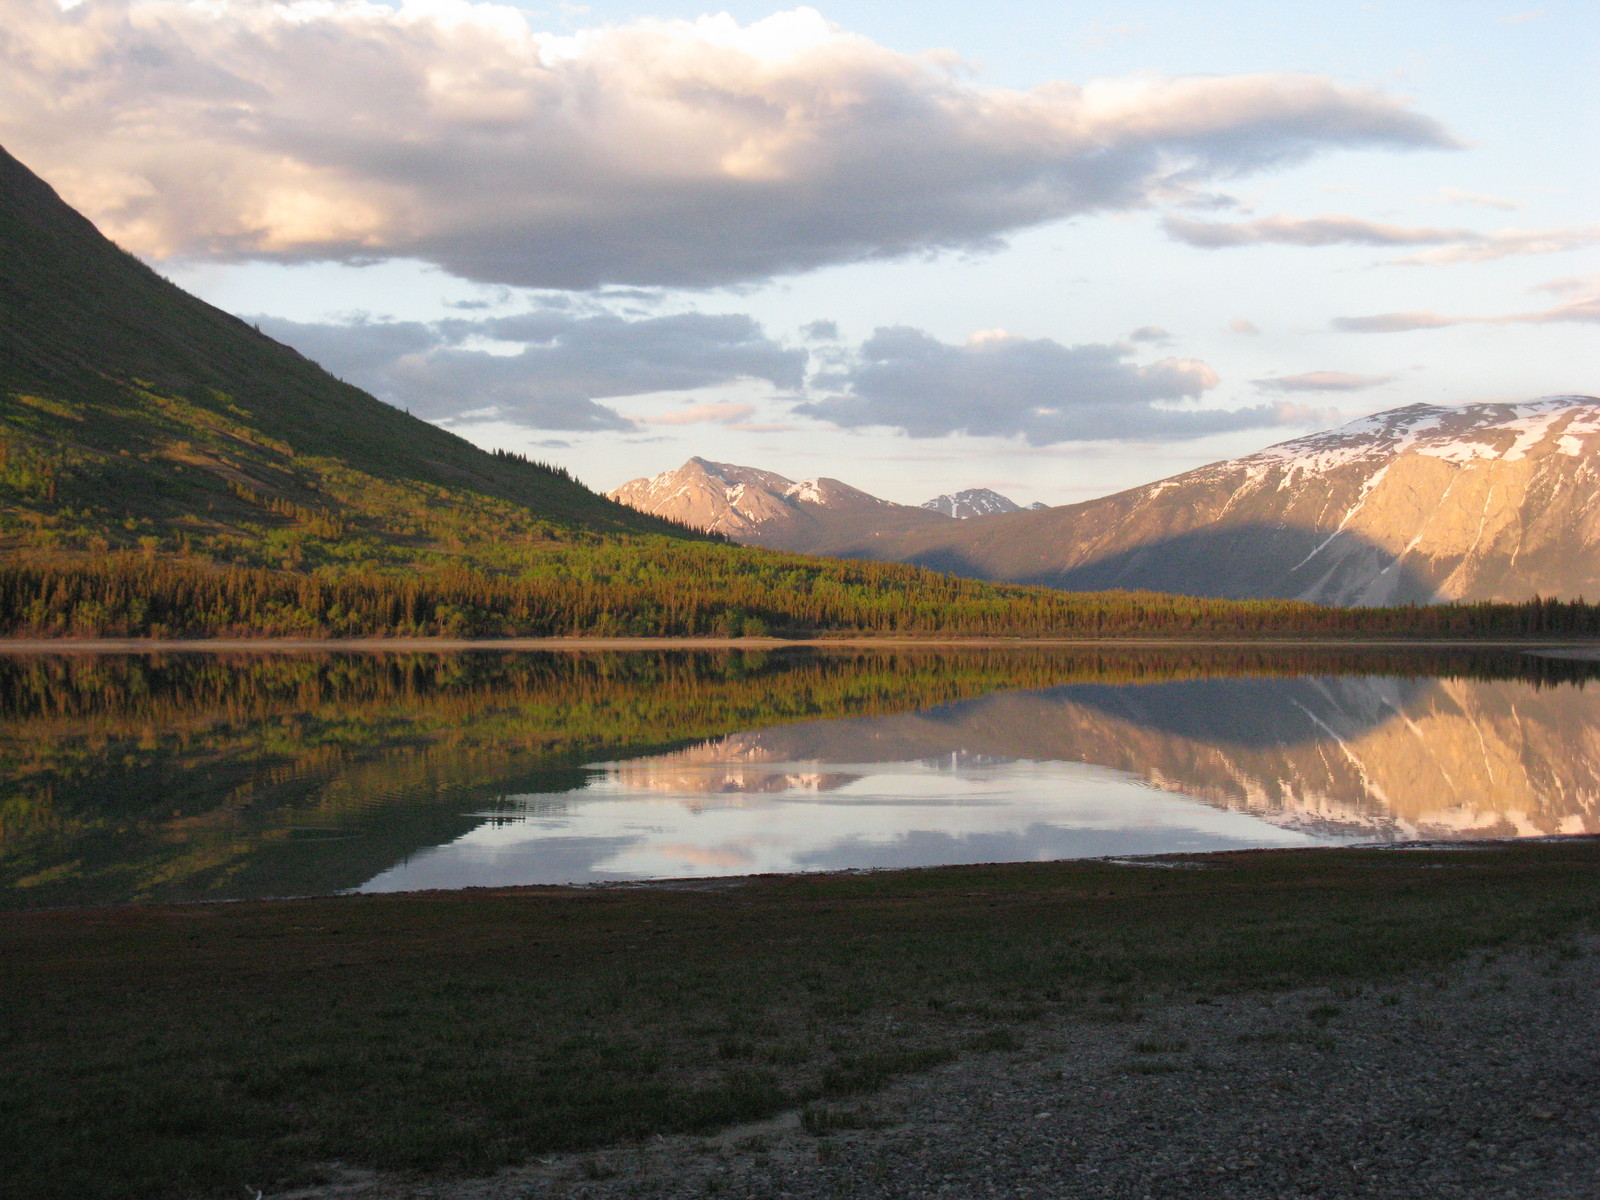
(822, 516)
(1423, 503)
(974, 502)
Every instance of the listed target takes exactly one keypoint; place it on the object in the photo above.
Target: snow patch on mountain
(1461, 434)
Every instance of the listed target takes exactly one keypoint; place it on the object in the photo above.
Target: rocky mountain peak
(765, 508)
(973, 502)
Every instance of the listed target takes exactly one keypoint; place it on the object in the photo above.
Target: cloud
(1322, 381)
(659, 152)
(820, 331)
(1507, 243)
(1333, 230)
(1585, 310)
(1400, 322)
(1570, 285)
(1455, 195)
(701, 414)
(1000, 385)
(559, 366)
(1153, 334)
(1455, 245)
(1241, 326)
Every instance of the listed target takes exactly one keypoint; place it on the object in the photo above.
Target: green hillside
(134, 415)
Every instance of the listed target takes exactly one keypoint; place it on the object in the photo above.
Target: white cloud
(562, 363)
(997, 384)
(658, 152)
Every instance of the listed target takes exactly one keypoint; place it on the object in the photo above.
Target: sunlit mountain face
(185, 777)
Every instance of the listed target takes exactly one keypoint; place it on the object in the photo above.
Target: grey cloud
(820, 331)
(1322, 381)
(1040, 390)
(1306, 231)
(566, 363)
(1393, 322)
(1453, 245)
(1150, 333)
(669, 153)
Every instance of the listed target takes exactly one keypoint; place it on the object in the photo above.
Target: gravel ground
(1480, 1082)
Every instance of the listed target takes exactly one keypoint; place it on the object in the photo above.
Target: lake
(182, 776)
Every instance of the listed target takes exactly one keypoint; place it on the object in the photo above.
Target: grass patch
(190, 1051)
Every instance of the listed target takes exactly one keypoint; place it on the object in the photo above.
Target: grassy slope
(130, 409)
(185, 1051)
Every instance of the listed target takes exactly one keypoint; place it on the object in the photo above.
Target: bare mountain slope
(761, 508)
(1418, 504)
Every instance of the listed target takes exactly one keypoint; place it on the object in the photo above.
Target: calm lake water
(194, 776)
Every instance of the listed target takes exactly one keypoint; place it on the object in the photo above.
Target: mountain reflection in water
(1075, 771)
(176, 777)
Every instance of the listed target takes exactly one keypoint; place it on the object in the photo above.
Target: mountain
(761, 508)
(974, 502)
(133, 413)
(1415, 505)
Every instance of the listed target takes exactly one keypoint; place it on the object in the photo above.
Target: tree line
(668, 588)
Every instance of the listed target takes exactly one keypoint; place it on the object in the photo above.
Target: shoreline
(1574, 648)
(1169, 860)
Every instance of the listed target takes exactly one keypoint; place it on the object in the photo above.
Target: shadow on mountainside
(1235, 562)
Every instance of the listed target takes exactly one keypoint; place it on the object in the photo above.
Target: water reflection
(180, 777)
(1071, 771)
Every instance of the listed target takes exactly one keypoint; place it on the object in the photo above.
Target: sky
(1054, 249)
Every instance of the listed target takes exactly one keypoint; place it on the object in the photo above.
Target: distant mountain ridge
(1415, 505)
(763, 508)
